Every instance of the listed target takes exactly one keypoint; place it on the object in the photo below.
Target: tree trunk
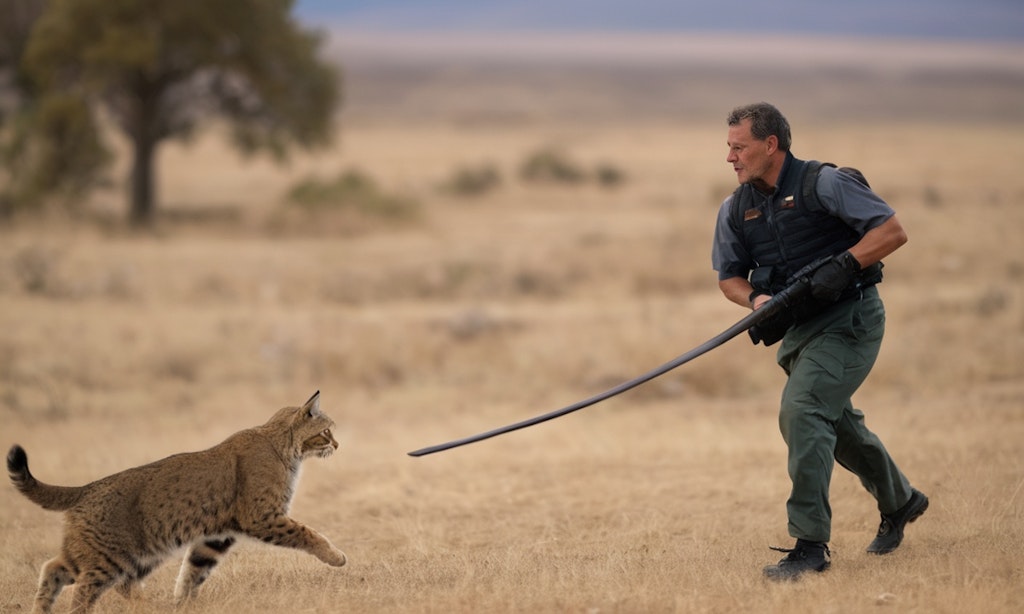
(142, 180)
(143, 128)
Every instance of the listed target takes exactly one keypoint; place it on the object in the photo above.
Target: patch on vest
(787, 203)
(751, 214)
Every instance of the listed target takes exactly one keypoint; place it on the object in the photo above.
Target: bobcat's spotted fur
(119, 528)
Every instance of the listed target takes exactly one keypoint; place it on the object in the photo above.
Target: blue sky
(987, 20)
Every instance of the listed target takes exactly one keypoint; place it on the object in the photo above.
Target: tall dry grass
(121, 347)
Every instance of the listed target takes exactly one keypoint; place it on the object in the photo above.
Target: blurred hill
(515, 77)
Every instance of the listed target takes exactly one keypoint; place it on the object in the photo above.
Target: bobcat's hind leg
(199, 561)
(128, 588)
(88, 588)
(53, 577)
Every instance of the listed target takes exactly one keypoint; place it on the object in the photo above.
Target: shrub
(35, 267)
(609, 176)
(473, 180)
(350, 190)
(550, 166)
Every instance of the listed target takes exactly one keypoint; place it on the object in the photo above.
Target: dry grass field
(121, 347)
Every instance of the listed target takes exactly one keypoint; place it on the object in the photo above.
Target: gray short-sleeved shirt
(840, 194)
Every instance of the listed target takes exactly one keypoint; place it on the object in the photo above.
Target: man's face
(750, 158)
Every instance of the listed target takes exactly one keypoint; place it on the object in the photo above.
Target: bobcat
(119, 528)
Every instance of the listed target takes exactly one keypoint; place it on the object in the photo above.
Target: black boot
(890, 532)
(804, 556)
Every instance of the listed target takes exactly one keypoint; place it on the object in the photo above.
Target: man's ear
(771, 144)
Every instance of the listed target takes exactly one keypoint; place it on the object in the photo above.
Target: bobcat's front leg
(283, 531)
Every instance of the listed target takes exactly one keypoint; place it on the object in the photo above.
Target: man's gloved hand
(831, 278)
(771, 329)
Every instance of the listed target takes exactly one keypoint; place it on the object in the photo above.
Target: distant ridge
(668, 48)
(501, 77)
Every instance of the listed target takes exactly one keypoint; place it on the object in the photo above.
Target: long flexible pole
(778, 302)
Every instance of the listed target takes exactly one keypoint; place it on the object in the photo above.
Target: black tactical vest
(788, 230)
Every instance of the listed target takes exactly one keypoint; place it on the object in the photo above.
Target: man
(770, 228)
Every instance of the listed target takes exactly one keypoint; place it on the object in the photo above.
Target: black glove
(831, 278)
(771, 329)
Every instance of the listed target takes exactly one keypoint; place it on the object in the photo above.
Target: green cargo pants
(827, 358)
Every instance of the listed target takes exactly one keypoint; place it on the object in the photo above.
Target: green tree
(157, 68)
(49, 144)
(16, 20)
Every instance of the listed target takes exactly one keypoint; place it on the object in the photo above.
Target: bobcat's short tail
(55, 498)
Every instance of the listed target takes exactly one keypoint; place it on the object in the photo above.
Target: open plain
(468, 311)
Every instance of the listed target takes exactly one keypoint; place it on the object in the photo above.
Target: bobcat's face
(313, 428)
(309, 429)
(322, 445)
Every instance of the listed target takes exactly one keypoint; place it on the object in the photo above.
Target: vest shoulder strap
(809, 185)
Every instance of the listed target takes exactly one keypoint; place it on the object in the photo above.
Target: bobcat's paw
(335, 558)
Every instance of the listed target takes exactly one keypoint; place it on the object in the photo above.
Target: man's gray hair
(765, 120)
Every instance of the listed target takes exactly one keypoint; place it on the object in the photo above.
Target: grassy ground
(122, 347)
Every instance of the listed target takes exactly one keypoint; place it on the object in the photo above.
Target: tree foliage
(16, 20)
(158, 68)
(49, 145)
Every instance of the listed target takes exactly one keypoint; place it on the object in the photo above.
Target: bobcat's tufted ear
(312, 406)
